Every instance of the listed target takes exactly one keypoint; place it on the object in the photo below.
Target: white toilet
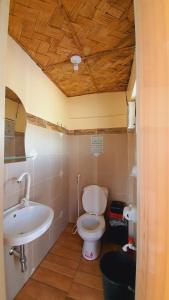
(91, 225)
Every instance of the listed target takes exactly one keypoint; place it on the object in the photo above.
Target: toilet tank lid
(94, 199)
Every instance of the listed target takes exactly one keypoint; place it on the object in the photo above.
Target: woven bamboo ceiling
(100, 31)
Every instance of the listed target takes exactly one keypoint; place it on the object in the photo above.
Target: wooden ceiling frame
(101, 32)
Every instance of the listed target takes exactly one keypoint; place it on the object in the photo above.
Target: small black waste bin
(118, 271)
(117, 227)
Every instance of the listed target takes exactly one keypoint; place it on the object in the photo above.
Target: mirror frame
(17, 137)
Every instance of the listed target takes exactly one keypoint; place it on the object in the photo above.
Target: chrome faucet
(25, 200)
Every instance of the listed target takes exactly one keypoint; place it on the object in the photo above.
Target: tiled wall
(60, 159)
(49, 185)
(110, 169)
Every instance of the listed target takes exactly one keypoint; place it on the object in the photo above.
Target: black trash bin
(118, 271)
(117, 227)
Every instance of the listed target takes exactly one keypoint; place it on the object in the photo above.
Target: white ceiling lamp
(75, 60)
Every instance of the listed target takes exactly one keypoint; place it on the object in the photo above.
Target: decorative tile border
(43, 123)
(97, 131)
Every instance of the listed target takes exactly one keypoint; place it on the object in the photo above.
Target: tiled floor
(64, 274)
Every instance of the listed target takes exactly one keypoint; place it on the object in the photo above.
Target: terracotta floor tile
(80, 292)
(71, 242)
(90, 266)
(88, 280)
(66, 252)
(62, 261)
(34, 290)
(60, 265)
(69, 228)
(64, 274)
(68, 234)
(53, 279)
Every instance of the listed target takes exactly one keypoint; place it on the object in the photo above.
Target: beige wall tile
(60, 159)
(110, 169)
(48, 186)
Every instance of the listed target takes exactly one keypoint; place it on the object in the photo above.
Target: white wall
(105, 110)
(36, 91)
(43, 99)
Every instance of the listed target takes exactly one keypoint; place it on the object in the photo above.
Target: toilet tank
(94, 199)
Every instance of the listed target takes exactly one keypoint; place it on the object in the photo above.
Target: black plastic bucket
(118, 271)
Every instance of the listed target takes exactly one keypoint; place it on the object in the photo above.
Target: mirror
(15, 125)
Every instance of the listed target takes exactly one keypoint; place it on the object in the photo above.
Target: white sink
(25, 224)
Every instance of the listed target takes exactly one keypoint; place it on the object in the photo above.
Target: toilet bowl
(91, 225)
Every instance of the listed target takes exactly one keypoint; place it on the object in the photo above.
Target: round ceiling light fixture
(75, 60)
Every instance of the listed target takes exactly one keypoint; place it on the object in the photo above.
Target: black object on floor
(118, 269)
(117, 227)
(117, 206)
(116, 235)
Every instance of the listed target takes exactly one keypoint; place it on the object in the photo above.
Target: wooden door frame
(152, 65)
(152, 73)
(4, 13)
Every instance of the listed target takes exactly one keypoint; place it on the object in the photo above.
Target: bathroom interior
(69, 125)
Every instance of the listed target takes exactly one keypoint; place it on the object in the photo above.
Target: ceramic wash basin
(22, 224)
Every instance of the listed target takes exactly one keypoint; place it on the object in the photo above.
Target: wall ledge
(98, 131)
(45, 124)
